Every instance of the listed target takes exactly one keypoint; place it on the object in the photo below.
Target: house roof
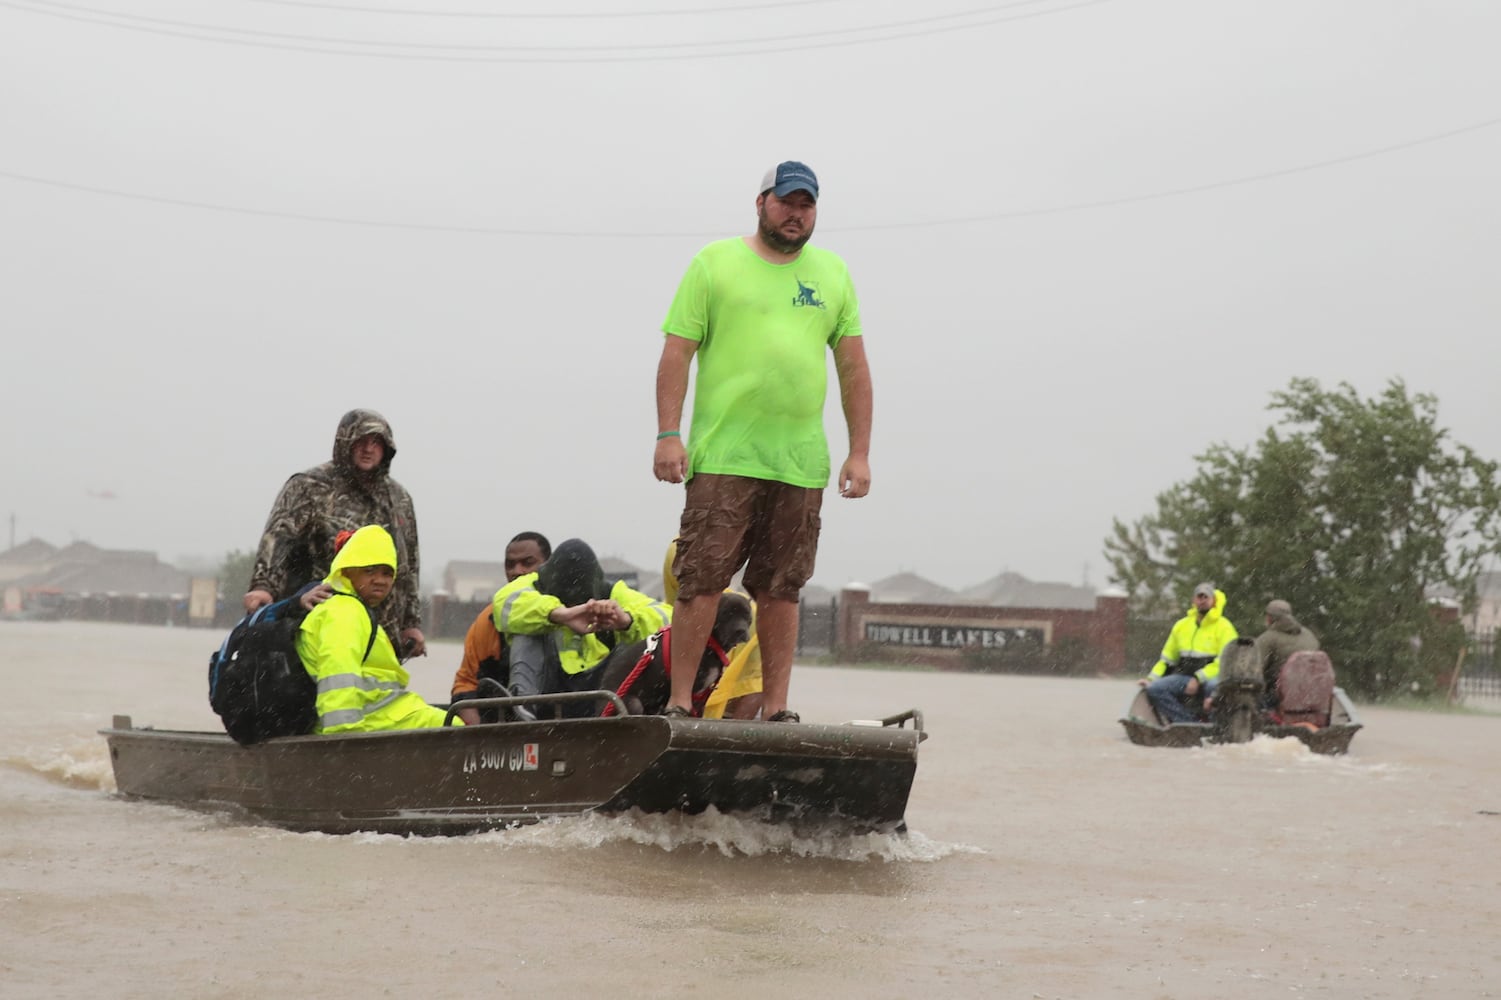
(85, 568)
(77, 552)
(128, 576)
(33, 550)
(1012, 590)
(909, 588)
(472, 567)
(616, 568)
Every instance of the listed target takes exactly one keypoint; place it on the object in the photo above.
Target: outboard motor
(1238, 697)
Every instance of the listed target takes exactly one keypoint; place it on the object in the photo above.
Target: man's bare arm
(670, 462)
(858, 399)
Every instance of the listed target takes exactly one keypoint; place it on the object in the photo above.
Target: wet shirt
(763, 331)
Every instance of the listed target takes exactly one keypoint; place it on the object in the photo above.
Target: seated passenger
(1190, 659)
(562, 621)
(485, 653)
(1284, 636)
(361, 683)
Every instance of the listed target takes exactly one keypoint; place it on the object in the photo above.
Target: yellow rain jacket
(1198, 639)
(521, 609)
(742, 676)
(358, 691)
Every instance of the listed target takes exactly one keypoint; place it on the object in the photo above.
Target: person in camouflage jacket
(352, 490)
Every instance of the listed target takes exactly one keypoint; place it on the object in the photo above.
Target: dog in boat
(647, 689)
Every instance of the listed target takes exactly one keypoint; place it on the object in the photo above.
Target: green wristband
(668, 434)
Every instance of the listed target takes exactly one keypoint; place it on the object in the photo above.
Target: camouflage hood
(354, 425)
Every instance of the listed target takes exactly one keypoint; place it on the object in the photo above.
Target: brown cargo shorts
(768, 527)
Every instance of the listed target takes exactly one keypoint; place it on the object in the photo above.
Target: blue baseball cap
(790, 176)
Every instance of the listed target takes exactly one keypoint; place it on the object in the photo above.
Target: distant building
(26, 559)
(619, 569)
(82, 568)
(468, 580)
(1487, 614)
(1012, 590)
(909, 588)
(86, 583)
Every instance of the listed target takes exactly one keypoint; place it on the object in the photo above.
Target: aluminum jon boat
(1145, 727)
(853, 777)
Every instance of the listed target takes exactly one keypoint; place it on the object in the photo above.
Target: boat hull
(464, 779)
(1145, 727)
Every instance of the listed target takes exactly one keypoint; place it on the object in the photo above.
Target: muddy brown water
(1048, 857)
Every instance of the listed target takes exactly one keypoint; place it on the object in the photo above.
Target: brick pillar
(853, 600)
(1109, 632)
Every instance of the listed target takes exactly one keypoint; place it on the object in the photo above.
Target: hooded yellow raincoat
(358, 691)
(1195, 638)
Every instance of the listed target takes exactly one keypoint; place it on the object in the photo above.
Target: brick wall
(968, 636)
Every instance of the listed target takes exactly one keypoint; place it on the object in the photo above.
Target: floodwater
(1048, 857)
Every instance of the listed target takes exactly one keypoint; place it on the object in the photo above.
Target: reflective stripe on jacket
(1194, 638)
(356, 691)
(521, 609)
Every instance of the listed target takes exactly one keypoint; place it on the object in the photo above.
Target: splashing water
(730, 835)
(83, 765)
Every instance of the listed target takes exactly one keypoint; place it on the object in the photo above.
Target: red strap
(700, 698)
(662, 638)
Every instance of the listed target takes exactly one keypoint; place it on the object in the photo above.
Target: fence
(1480, 678)
(818, 623)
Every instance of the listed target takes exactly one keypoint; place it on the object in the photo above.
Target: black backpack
(256, 681)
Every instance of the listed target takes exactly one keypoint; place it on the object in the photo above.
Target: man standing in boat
(351, 490)
(758, 312)
(1191, 658)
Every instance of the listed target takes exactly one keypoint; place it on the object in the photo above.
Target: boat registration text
(516, 758)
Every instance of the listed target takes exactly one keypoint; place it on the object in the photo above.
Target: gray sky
(1051, 342)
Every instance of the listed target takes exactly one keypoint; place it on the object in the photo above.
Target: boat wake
(731, 836)
(1293, 752)
(81, 765)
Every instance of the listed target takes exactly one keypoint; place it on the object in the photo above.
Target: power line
(551, 16)
(327, 219)
(47, 7)
(1191, 189)
(524, 54)
(637, 234)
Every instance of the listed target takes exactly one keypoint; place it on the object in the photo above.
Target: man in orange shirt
(484, 647)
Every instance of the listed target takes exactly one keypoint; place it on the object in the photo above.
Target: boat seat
(1305, 688)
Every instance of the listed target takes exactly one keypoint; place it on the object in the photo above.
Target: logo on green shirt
(807, 295)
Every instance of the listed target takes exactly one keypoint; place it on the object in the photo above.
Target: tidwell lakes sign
(954, 636)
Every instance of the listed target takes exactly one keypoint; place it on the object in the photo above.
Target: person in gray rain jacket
(354, 488)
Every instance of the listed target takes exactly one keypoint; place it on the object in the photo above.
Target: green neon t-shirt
(762, 330)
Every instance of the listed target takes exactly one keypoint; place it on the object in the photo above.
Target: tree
(234, 574)
(1357, 511)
